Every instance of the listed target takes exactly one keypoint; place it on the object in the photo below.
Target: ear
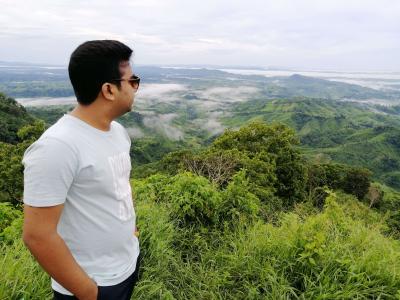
(108, 90)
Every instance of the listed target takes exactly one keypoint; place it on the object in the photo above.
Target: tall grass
(335, 254)
(21, 276)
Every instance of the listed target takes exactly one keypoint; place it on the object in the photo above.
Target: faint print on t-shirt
(121, 167)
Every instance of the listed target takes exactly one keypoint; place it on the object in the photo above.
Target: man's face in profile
(128, 88)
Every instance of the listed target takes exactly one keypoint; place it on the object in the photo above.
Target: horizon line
(4, 63)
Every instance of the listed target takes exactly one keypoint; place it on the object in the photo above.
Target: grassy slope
(337, 254)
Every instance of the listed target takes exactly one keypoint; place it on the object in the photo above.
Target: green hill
(346, 132)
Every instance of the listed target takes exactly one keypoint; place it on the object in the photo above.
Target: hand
(136, 233)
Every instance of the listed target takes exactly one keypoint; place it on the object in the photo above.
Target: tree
(11, 168)
(357, 181)
(271, 143)
(12, 117)
(352, 180)
(218, 166)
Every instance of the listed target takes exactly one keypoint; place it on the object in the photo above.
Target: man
(79, 219)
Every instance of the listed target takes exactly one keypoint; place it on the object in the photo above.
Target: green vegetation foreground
(339, 253)
(251, 220)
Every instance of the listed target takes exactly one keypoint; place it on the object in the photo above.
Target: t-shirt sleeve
(50, 167)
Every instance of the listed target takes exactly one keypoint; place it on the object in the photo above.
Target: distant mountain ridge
(53, 81)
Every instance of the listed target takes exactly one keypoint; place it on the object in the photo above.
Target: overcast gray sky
(338, 34)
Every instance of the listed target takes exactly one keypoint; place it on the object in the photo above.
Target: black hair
(92, 64)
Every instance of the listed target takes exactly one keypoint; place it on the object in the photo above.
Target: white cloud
(228, 94)
(162, 124)
(305, 33)
(211, 124)
(157, 90)
(135, 132)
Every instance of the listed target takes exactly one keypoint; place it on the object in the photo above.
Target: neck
(93, 114)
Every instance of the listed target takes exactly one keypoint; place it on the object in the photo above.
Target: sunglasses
(134, 81)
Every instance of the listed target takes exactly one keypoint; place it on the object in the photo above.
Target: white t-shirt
(87, 170)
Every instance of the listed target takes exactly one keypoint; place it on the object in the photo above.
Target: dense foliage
(12, 117)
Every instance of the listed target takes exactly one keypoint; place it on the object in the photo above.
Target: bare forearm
(56, 259)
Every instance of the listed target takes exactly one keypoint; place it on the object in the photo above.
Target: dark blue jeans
(121, 291)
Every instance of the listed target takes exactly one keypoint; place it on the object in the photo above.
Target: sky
(342, 35)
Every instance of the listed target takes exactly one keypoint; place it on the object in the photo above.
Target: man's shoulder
(120, 128)
(62, 131)
(117, 125)
(62, 135)
(50, 149)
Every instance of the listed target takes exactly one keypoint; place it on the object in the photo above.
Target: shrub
(357, 181)
(194, 201)
(352, 180)
(13, 232)
(239, 205)
(374, 196)
(218, 166)
(7, 214)
(151, 188)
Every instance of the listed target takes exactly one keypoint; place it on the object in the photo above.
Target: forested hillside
(336, 130)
